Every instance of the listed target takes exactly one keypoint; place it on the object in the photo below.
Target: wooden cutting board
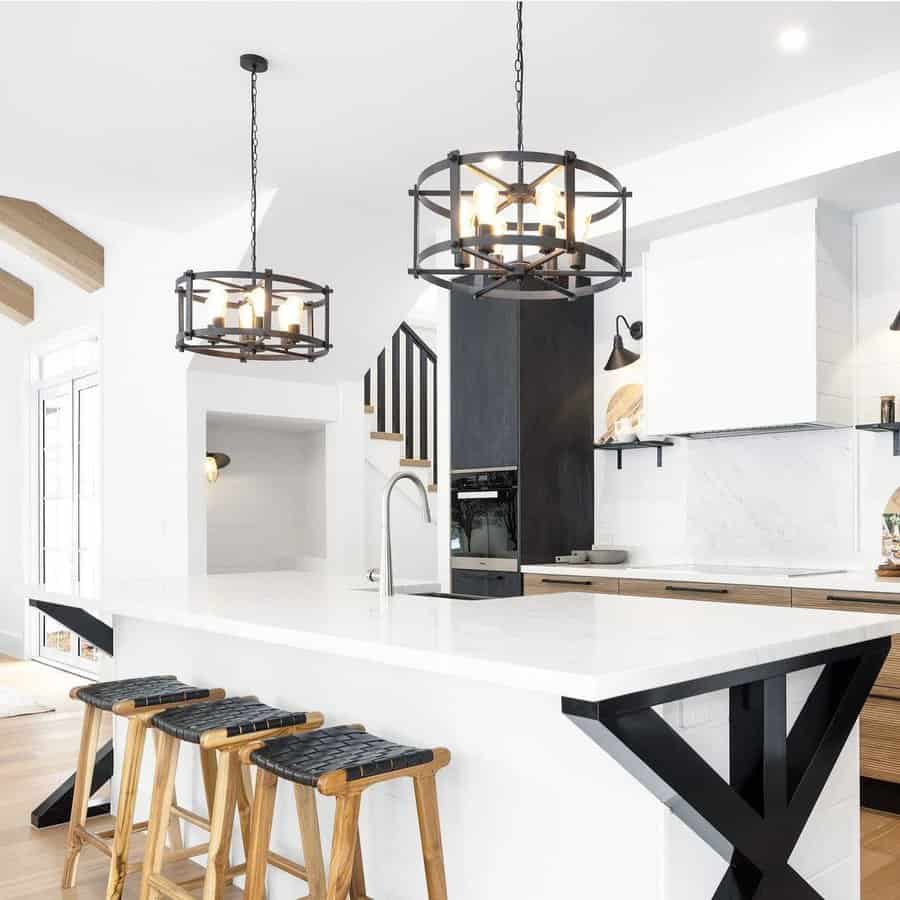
(626, 402)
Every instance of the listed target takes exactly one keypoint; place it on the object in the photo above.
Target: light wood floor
(880, 856)
(36, 754)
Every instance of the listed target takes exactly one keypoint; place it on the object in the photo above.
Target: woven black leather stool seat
(304, 758)
(238, 715)
(154, 690)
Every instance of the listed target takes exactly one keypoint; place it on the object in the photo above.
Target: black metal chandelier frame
(262, 342)
(258, 340)
(480, 271)
(567, 267)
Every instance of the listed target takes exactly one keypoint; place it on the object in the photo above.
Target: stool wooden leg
(260, 834)
(87, 756)
(311, 840)
(160, 811)
(221, 824)
(244, 806)
(131, 769)
(430, 831)
(209, 766)
(343, 846)
(357, 876)
(176, 841)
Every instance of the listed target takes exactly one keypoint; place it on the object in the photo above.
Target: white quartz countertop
(590, 646)
(854, 580)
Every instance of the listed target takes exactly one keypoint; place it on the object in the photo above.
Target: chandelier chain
(254, 165)
(520, 73)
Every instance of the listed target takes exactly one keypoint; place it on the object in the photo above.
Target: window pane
(88, 440)
(87, 573)
(58, 524)
(88, 652)
(58, 570)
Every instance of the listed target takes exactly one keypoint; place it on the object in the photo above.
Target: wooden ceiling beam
(54, 243)
(16, 298)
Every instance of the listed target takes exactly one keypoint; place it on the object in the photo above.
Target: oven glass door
(484, 514)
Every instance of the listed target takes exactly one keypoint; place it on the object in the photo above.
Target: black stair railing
(409, 377)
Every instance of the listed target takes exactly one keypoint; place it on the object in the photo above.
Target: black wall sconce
(620, 357)
(215, 462)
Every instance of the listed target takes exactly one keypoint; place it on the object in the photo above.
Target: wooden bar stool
(135, 699)
(340, 762)
(225, 726)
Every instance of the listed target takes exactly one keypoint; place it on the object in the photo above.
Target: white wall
(60, 309)
(805, 498)
(266, 511)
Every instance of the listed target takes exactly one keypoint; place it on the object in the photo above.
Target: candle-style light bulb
(289, 314)
(466, 217)
(217, 305)
(582, 224)
(485, 198)
(546, 199)
(257, 298)
(245, 314)
(212, 469)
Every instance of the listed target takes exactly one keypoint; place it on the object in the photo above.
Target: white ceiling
(138, 111)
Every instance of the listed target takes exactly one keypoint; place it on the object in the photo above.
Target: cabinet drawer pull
(835, 599)
(695, 590)
(561, 581)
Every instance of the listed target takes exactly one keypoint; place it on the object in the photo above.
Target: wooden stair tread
(385, 436)
(419, 463)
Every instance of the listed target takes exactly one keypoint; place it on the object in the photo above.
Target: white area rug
(12, 704)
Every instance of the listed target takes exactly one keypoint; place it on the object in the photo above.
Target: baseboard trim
(883, 796)
(12, 644)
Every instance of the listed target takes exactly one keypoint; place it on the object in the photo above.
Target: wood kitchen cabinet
(560, 584)
(719, 593)
(484, 387)
(879, 723)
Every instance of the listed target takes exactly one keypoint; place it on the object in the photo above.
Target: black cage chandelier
(524, 238)
(253, 315)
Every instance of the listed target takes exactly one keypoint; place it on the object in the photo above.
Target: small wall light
(214, 462)
(620, 357)
(895, 325)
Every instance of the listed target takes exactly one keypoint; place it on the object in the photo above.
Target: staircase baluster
(395, 382)
(410, 448)
(423, 405)
(380, 392)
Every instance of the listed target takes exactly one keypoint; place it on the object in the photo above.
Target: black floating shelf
(619, 446)
(885, 426)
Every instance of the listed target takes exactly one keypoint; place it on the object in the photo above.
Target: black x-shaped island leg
(776, 777)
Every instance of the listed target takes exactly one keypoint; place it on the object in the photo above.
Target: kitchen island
(523, 690)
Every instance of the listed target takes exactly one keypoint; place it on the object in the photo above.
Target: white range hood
(749, 325)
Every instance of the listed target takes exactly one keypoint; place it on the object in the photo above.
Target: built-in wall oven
(484, 525)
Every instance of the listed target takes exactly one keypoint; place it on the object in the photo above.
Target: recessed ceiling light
(793, 40)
